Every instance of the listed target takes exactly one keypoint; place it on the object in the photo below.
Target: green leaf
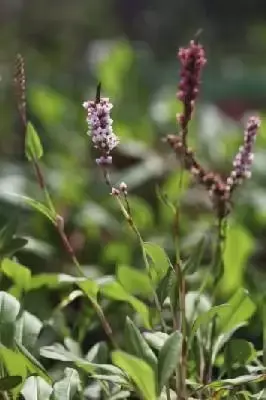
(36, 205)
(239, 351)
(67, 387)
(166, 285)
(32, 364)
(156, 339)
(115, 291)
(169, 358)
(117, 379)
(9, 308)
(160, 261)
(207, 317)
(133, 281)
(14, 365)
(44, 280)
(69, 298)
(28, 328)
(10, 382)
(240, 380)
(137, 345)
(36, 388)
(239, 245)
(222, 339)
(98, 353)
(90, 288)
(33, 146)
(20, 275)
(57, 352)
(240, 310)
(139, 371)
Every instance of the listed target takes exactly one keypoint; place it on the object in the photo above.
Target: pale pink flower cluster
(101, 129)
(243, 160)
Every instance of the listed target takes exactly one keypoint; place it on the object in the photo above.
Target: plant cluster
(178, 342)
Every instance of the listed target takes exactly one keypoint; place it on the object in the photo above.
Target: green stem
(144, 255)
(59, 224)
(182, 370)
(217, 270)
(182, 323)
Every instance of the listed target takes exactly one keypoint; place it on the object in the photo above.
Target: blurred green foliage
(140, 76)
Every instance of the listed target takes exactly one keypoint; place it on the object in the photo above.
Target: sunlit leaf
(239, 245)
(57, 352)
(98, 353)
(90, 288)
(240, 309)
(156, 339)
(36, 205)
(160, 261)
(66, 388)
(14, 364)
(33, 365)
(140, 373)
(28, 328)
(168, 358)
(20, 275)
(117, 379)
(134, 281)
(60, 353)
(115, 291)
(9, 308)
(33, 146)
(137, 345)
(36, 388)
(207, 317)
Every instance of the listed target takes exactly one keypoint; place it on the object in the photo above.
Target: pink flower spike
(100, 128)
(192, 61)
(243, 160)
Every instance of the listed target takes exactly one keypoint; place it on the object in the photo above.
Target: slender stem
(182, 370)
(144, 255)
(59, 225)
(216, 265)
(128, 216)
(182, 323)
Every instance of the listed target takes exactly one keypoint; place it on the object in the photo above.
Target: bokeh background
(130, 46)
